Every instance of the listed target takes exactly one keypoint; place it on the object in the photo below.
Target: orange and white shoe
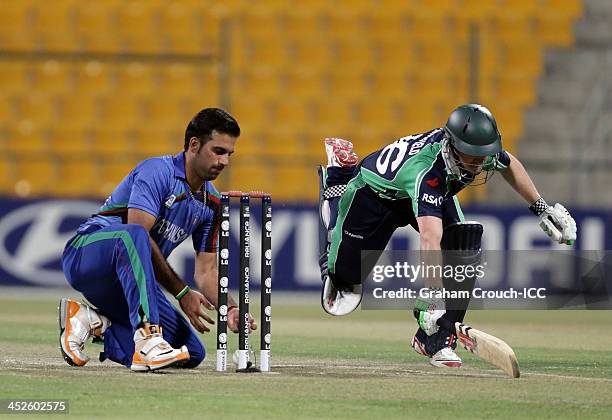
(153, 352)
(78, 322)
(340, 153)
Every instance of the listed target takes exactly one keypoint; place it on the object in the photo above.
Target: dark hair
(207, 120)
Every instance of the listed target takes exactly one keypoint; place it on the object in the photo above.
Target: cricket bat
(485, 346)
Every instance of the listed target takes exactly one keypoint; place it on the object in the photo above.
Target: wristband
(538, 207)
(182, 293)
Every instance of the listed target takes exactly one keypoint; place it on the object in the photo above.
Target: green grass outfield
(360, 366)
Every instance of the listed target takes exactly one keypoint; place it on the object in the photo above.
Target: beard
(212, 173)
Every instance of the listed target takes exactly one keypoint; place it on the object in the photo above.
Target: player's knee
(463, 236)
(197, 353)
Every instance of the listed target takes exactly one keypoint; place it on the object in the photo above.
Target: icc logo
(268, 338)
(223, 282)
(268, 311)
(223, 310)
(222, 338)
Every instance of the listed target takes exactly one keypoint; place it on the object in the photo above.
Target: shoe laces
(82, 335)
(90, 320)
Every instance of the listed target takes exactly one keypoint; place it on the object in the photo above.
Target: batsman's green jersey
(414, 167)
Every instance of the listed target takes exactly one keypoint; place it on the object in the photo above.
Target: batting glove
(556, 221)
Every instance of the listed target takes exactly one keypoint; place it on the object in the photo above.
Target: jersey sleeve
(430, 189)
(149, 186)
(205, 237)
(499, 162)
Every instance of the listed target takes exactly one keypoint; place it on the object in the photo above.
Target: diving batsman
(414, 181)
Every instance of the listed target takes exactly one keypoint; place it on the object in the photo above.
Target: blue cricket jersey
(159, 187)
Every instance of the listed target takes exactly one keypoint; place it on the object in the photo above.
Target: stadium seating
(121, 112)
(78, 178)
(35, 176)
(16, 16)
(39, 108)
(52, 77)
(137, 78)
(77, 111)
(149, 142)
(7, 176)
(110, 174)
(6, 110)
(94, 77)
(71, 142)
(96, 29)
(15, 76)
(121, 79)
(27, 138)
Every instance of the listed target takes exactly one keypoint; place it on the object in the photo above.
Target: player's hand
(558, 224)
(233, 321)
(427, 312)
(191, 304)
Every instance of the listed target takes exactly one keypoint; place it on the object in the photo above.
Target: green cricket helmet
(473, 131)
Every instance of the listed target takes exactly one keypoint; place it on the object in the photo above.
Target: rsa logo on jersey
(432, 199)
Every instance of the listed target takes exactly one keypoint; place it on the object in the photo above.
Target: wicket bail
(244, 270)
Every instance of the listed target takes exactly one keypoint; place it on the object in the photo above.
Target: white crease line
(21, 365)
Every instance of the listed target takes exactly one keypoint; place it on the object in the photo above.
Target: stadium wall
(34, 232)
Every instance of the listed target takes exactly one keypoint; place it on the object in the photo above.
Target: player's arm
(430, 234)
(554, 220)
(191, 301)
(427, 208)
(517, 177)
(428, 310)
(206, 277)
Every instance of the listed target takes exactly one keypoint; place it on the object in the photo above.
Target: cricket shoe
(446, 357)
(439, 347)
(340, 302)
(78, 322)
(152, 352)
(340, 153)
(418, 346)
